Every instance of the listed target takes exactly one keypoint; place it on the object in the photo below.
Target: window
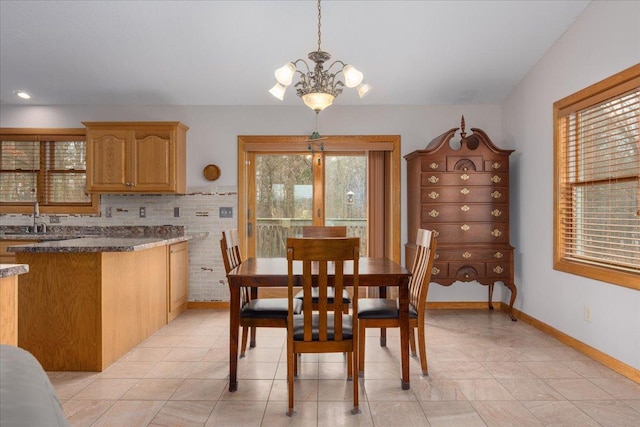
(597, 168)
(47, 166)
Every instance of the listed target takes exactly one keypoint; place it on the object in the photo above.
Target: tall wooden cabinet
(136, 157)
(461, 190)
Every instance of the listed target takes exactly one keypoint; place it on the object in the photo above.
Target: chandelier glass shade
(318, 87)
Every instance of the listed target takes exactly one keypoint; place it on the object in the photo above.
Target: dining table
(273, 272)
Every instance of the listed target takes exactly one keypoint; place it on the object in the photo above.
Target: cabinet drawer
(466, 271)
(439, 270)
(464, 212)
(463, 194)
(470, 232)
(433, 165)
(463, 178)
(498, 269)
(496, 165)
(466, 253)
(462, 164)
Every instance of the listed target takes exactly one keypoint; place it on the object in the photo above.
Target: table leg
(252, 341)
(383, 331)
(403, 296)
(234, 327)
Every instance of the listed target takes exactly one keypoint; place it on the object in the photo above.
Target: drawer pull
(496, 212)
(466, 275)
(434, 213)
(495, 179)
(496, 233)
(433, 179)
(464, 177)
(435, 270)
(465, 191)
(464, 208)
(436, 256)
(433, 165)
(498, 269)
(498, 255)
(465, 227)
(436, 233)
(496, 194)
(433, 195)
(466, 255)
(496, 165)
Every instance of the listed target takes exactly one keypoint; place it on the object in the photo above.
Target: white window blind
(598, 200)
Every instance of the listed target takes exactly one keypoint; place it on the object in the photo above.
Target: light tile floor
(484, 370)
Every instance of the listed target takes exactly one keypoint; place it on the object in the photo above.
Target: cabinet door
(154, 161)
(178, 279)
(107, 157)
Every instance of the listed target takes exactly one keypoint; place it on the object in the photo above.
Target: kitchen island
(9, 302)
(87, 301)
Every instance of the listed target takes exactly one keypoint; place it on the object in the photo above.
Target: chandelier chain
(319, 19)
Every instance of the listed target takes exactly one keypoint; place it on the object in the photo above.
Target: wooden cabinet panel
(463, 194)
(136, 157)
(178, 289)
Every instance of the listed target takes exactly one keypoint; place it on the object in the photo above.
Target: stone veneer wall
(199, 212)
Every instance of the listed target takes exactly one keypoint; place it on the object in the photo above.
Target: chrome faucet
(37, 228)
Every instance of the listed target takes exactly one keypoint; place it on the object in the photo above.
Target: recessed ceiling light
(22, 94)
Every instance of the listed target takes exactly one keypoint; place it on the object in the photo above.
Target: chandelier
(318, 87)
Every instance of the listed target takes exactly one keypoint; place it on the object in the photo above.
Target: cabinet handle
(464, 177)
(466, 255)
(435, 270)
(436, 256)
(496, 212)
(496, 194)
(436, 233)
(496, 165)
(495, 179)
(465, 227)
(466, 275)
(464, 208)
(498, 255)
(433, 179)
(433, 165)
(498, 269)
(433, 195)
(465, 191)
(434, 213)
(496, 233)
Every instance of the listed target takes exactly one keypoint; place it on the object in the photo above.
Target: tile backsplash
(198, 211)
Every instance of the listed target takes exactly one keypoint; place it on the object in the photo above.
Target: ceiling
(225, 52)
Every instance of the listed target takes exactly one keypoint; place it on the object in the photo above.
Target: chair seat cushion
(381, 308)
(346, 298)
(272, 308)
(298, 327)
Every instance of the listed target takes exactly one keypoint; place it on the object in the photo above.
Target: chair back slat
(230, 248)
(421, 270)
(323, 263)
(324, 231)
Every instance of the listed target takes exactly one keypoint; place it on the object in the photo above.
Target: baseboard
(208, 304)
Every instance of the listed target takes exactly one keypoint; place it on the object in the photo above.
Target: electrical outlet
(53, 219)
(587, 313)
(226, 213)
(176, 212)
(143, 212)
(108, 212)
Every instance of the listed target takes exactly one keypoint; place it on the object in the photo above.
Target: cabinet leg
(491, 296)
(514, 292)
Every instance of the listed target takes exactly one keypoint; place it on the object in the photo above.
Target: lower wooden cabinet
(178, 283)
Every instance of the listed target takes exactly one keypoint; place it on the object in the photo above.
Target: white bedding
(27, 398)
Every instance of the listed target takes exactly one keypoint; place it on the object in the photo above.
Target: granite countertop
(8, 270)
(102, 244)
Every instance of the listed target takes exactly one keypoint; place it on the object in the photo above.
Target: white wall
(212, 138)
(603, 41)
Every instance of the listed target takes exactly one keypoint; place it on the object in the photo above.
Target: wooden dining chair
(384, 313)
(254, 312)
(318, 231)
(327, 329)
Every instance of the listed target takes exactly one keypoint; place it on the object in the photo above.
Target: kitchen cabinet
(10, 257)
(136, 157)
(178, 285)
(461, 191)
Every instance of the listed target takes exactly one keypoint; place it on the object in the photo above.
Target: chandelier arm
(305, 64)
(337, 61)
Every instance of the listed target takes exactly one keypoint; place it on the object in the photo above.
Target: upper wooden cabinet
(136, 157)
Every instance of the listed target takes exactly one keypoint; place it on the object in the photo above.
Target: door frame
(390, 144)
